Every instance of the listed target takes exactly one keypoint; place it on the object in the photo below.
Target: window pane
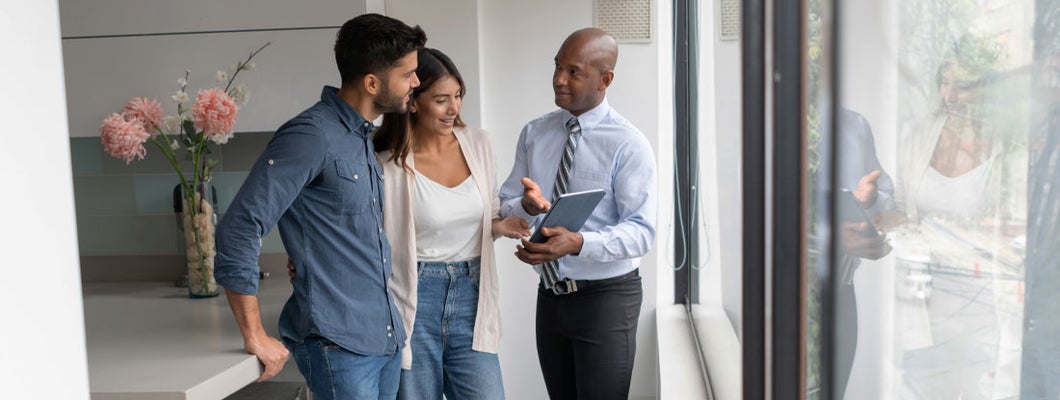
(942, 113)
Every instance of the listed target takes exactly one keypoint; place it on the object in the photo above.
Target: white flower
(240, 94)
(180, 97)
(171, 124)
(248, 66)
(232, 68)
(182, 82)
(221, 139)
(175, 145)
(222, 76)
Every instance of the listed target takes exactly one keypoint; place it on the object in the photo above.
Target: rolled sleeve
(290, 161)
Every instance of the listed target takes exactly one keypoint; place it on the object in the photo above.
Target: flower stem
(243, 63)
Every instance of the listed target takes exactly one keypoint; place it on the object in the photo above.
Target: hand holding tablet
(570, 211)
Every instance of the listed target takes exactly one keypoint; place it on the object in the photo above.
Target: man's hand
(856, 241)
(270, 352)
(512, 227)
(866, 191)
(560, 243)
(533, 201)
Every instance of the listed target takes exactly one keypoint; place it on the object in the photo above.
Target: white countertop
(148, 340)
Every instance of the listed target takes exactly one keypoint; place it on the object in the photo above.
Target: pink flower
(149, 112)
(215, 113)
(123, 138)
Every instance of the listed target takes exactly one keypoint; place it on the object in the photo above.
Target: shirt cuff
(518, 211)
(239, 283)
(592, 245)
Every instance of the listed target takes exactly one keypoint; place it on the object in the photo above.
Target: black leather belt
(568, 286)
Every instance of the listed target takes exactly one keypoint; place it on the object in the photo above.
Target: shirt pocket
(582, 180)
(354, 190)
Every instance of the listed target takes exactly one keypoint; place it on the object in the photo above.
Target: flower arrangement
(193, 130)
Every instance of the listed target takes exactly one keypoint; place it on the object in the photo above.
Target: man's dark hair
(372, 43)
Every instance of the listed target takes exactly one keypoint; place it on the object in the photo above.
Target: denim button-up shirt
(319, 180)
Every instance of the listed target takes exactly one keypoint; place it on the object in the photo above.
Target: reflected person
(953, 192)
(859, 171)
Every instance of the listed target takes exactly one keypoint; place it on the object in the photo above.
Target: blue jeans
(334, 373)
(442, 359)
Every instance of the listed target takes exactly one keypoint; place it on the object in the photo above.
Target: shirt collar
(353, 120)
(590, 119)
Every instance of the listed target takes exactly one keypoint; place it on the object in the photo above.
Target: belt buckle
(566, 286)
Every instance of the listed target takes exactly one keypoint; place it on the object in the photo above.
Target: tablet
(850, 210)
(570, 211)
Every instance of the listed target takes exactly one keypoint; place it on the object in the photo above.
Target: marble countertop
(148, 340)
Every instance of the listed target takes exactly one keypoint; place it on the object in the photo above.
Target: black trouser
(586, 340)
(846, 336)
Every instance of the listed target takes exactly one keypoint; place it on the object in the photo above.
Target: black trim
(753, 322)
(300, 28)
(686, 153)
(830, 30)
(788, 203)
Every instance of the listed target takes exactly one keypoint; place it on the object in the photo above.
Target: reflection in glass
(949, 143)
(961, 199)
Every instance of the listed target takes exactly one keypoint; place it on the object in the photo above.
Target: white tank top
(961, 196)
(448, 220)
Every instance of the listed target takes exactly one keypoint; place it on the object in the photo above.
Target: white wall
(102, 73)
(519, 41)
(451, 27)
(40, 293)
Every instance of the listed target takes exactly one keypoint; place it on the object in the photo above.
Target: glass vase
(199, 222)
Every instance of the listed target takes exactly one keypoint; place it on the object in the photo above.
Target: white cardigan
(398, 223)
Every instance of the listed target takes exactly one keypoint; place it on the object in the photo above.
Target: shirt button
(384, 261)
(355, 176)
(388, 334)
(389, 328)
(272, 162)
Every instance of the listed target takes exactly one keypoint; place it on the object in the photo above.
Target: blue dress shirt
(612, 155)
(319, 180)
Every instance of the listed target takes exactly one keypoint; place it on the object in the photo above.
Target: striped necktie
(550, 270)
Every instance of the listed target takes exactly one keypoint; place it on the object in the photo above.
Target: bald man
(589, 294)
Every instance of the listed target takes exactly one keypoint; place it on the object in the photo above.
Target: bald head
(595, 45)
(585, 67)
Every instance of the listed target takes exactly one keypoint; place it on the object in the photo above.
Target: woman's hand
(512, 227)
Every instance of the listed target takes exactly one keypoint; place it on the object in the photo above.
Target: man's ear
(605, 79)
(412, 106)
(372, 84)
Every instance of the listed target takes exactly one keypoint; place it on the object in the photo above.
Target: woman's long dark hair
(395, 134)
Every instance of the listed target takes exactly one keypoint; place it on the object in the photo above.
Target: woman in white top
(951, 188)
(441, 217)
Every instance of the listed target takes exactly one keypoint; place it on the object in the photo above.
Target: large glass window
(932, 220)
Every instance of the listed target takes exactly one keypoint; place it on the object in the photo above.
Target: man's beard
(386, 102)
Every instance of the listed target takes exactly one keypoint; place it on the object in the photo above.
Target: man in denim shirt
(319, 180)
